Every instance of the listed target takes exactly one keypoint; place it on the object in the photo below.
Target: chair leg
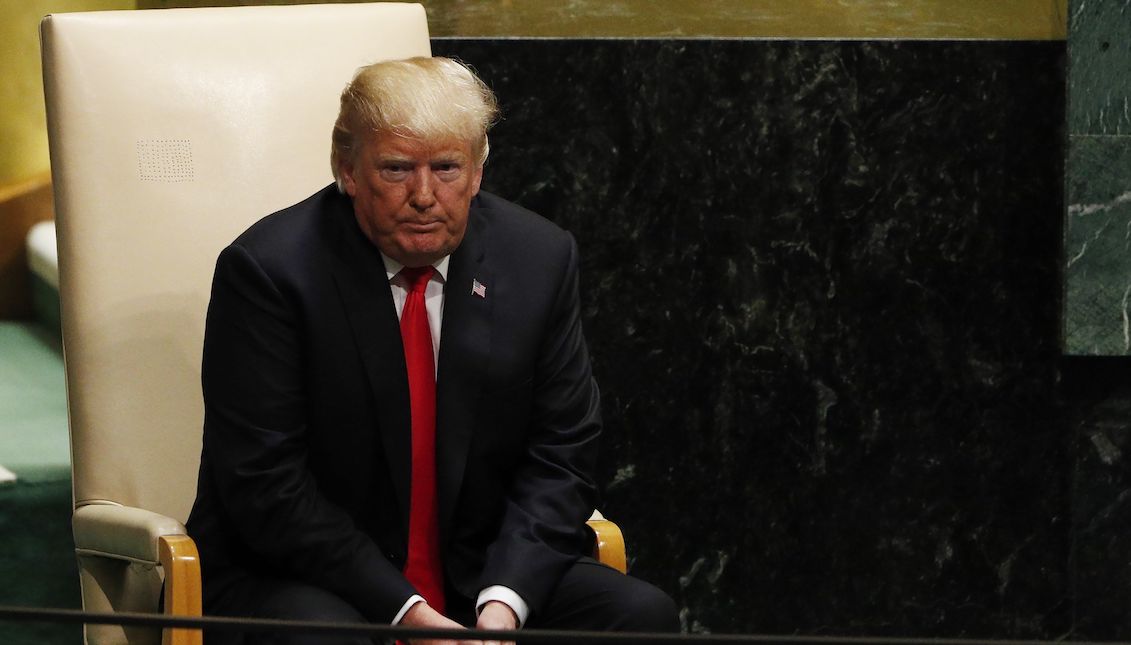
(181, 562)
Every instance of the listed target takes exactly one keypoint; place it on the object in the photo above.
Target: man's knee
(595, 597)
(289, 600)
(647, 609)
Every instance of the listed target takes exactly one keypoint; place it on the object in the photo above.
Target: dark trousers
(590, 597)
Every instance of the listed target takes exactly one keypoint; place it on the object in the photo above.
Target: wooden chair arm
(179, 558)
(608, 548)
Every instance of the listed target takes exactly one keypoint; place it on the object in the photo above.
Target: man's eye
(394, 171)
(447, 168)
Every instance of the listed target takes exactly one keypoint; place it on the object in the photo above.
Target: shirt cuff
(508, 597)
(412, 600)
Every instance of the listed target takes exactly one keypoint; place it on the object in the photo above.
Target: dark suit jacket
(306, 460)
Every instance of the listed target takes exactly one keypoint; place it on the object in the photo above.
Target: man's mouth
(422, 227)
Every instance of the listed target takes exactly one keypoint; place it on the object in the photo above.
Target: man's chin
(422, 254)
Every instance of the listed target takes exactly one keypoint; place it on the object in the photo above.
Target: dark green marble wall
(822, 291)
(1097, 329)
(1098, 229)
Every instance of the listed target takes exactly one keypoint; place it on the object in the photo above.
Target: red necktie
(423, 568)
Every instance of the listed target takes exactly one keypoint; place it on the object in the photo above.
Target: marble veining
(1098, 246)
(1097, 321)
(1099, 86)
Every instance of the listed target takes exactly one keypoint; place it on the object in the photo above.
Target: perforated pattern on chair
(165, 160)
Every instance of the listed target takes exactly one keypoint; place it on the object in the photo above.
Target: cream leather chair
(171, 131)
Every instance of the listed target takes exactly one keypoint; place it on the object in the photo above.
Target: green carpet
(33, 403)
(37, 562)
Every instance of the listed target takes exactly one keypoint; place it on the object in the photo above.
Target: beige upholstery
(171, 131)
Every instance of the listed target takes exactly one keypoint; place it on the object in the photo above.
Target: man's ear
(476, 179)
(345, 172)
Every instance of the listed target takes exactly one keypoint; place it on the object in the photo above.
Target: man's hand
(497, 616)
(421, 615)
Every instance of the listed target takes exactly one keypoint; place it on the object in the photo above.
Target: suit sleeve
(255, 442)
(552, 492)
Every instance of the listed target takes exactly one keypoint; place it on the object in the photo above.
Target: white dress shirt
(434, 304)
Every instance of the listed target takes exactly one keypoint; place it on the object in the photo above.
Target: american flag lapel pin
(478, 288)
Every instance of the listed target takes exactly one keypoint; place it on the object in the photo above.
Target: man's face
(411, 197)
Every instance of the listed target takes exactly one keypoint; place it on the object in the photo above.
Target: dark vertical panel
(822, 290)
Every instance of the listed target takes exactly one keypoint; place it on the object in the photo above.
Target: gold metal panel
(977, 19)
(988, 19)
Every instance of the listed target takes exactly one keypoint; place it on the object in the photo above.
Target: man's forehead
(396, 146)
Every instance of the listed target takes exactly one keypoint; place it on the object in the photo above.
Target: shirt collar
(392, 267)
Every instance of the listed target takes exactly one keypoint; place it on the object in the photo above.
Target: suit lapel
(364, 288)
(465, 344)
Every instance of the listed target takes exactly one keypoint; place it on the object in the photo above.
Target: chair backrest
(170, 132)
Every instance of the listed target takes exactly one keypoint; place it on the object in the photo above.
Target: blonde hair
(433, 99)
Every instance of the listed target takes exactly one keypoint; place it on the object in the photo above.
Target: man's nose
(422, 197)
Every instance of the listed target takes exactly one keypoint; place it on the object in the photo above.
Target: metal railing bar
(542, 636)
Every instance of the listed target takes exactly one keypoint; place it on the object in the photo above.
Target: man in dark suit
(400, 418)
